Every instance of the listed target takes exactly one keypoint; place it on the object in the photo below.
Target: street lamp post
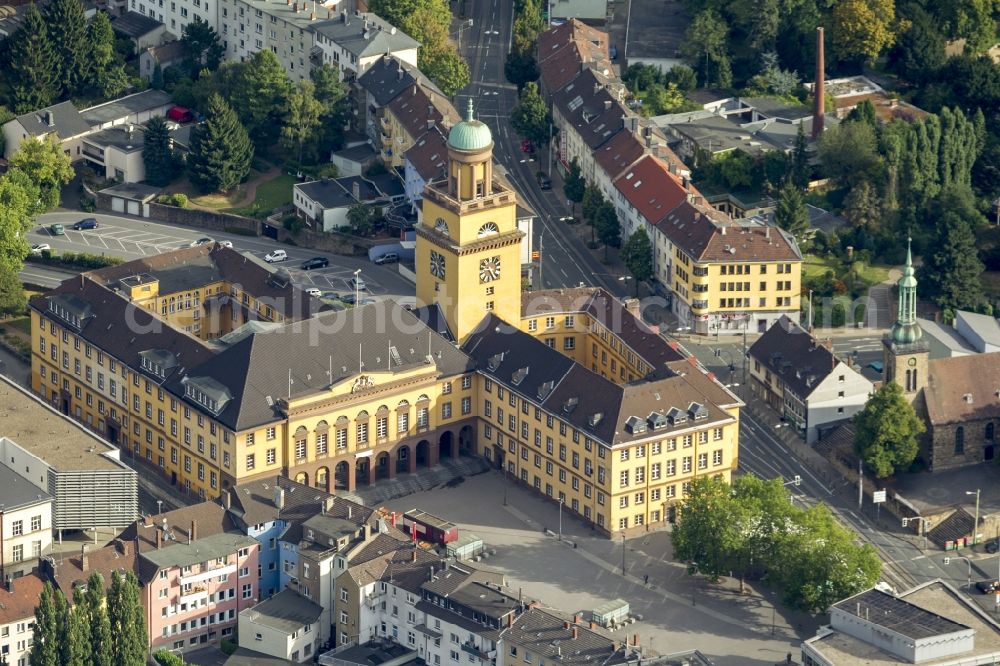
(947, 560)
(975, 525)
(797, 481)
(562, 500)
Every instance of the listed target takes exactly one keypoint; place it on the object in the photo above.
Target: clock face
(489, 269)
(912, 361)
(437, 265)
(441, 226)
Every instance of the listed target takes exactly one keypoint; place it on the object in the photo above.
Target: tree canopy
(886, 431)
(201, 47)
(531, 118)
(221, 152)
(45, 164)
(157, 155)
(637, 255)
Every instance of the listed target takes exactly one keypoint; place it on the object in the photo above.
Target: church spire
(905, 330)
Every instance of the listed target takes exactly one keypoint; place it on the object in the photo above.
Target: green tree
(847, 152)
(15, 223)
(886, 431)
(73, 54)
(102, 639)
(45, 163)
(919, 51)
(157, 155)
(863, 207)
(201, 47)
(800, 169)
(400, 12)
(362, 218)
(331, 93)
(862, 29)
(528, 23)
(303, 119)
(708, 535)
(574, 186)
(77, 645)
(45, 631)
(263, 89)
(682, 76)
(952, 271)
(637, 255)
(13, 300)
(31, 66)
(706, 48)
(446, 67)
(221, 152)
(36, 206)
(592, 202)
(127, 620)
(607, 226)
(864, 112)
(520, 68)
(530, 118)
(791, 214)
(107, 71)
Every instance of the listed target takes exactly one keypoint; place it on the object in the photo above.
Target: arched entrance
(383, 466)
(467, 441)
(361, 468)
(446, 445)
(302, 478)
(403, 460)
(341, 478)
(423, 453)
(323, 479)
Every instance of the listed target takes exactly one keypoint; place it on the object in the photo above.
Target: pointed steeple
(906, 331)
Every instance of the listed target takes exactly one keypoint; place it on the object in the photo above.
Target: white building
(116, 153)
(801, 378)
(284, 626)
(25, 522)
(60, 121)
(354, 42)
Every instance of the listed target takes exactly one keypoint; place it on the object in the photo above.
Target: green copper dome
(906, 331)
(470, 135)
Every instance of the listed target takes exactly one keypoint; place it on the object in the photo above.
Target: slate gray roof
(593, 404)
(286, 611)
(253, 501)
(588, 106)
(135, 25)
(340, 192)
(118, 137)
(544, 634)
(63, 118)
(389, 76)
(117, 109)
(258, 366)
(17, 492)
(794, 356)
(364, 35)
(178, 554)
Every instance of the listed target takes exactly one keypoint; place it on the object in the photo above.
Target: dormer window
(207, 392)
(149, 366)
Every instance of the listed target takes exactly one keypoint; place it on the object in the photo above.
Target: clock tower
(905, 351)
(468, 258)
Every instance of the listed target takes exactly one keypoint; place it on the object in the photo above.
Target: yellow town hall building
(212, 370)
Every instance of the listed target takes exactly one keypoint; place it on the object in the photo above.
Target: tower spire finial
(469, 115)
(909, 256)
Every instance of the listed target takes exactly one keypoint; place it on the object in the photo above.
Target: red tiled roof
(19, 602)
(417, 110)
(651, 188)
(619, 153)
(962, 388)
(573, 31)
(566, 49)
(707, 235)
(429, 154)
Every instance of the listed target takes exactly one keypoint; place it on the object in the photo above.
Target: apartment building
(801, 378)
(408, 116)
(285, 28)
(564, 50)
(25, 522)
(353, 42)
(726, 276)
(17, 615)
(588, 111)
(543, 636)
(284, 626)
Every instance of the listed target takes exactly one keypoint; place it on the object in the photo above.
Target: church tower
(904, 351)
(468, 244)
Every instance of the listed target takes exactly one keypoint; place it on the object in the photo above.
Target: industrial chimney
(819, 89)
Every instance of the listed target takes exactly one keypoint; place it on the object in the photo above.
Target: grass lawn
(271, 194)
(815, 266)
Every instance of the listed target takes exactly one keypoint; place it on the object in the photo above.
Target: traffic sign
(878, 496)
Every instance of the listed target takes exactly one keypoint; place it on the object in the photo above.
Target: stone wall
(974, 449)
(334, 242)
(204, 219)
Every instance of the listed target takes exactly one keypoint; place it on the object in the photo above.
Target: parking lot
(679, 612)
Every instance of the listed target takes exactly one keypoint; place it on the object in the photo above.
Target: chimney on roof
(350, 512)
(84, 560)
(159, 538)
(575, 633)
(50, 120)
(578, 617)
(356, 190)
(399, 74)
(607, 104)
(510, 620)
(565, 624)
(593, 625)
(343, 16)
(633, 123)
(635, 640)
(686, 182)
(227, 500)
(722, 230)
(328, 504)
(279, 497)
(413, 90)
(193, 532)
(819, 89)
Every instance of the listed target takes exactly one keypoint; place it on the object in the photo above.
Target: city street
(566, 262)
(132, 238)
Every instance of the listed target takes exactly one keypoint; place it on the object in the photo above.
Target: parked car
(179, 114)
(275, 255)
(314, 292)
(202, 241)
(85, 223)
(357, 283)
(348, 298)
(388, 258)
(544, 182)
(988, 586)
(992, 546)
(527, 146)
(331, 295)
(57, 230)
(315, 262)
(38, 248)
(228, 244)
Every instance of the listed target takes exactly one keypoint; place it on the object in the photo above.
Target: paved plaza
(679, 612)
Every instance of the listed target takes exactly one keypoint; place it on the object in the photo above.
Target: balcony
(472, 649)
(699, 304)
(193, 596)
(499, 197)
(211, 572)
